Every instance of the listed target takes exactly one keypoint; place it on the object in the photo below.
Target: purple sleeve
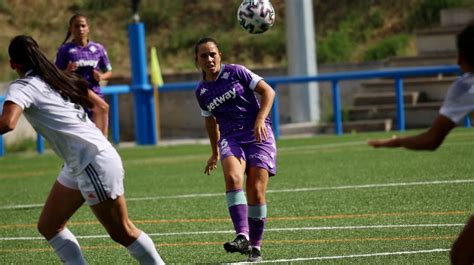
(198, 96)
(61, 58)
(104, 63)
(247, 78)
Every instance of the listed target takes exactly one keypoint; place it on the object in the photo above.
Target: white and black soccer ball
(256, 16)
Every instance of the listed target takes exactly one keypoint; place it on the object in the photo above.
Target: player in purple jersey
(84, 57)
(53, 101)
(241, 136)
(458, 103)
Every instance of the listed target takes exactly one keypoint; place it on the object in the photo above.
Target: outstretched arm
(268, 95)
(213, 132)
(428, 140)
(10, 115)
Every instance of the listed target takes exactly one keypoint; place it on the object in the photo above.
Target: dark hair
(24, 51)
(465, 43)
(71, 20)
(201, 41)
(196, 47)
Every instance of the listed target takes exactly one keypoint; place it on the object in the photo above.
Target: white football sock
(144, 251)
(66, 246)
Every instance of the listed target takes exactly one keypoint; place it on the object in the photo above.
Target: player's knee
(259, 199)
(255, 195)
(47, 230)
(125, 234)
(233, 180)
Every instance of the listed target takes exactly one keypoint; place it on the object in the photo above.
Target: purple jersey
(91, 57)
(230, 99)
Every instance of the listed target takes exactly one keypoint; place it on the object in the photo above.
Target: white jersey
(459, 100)
(65, 125)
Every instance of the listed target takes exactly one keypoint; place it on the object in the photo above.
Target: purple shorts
(98, 91)
(244, 145)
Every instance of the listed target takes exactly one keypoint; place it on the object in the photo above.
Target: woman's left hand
(211, 164)
(260, 130)
(97, 75)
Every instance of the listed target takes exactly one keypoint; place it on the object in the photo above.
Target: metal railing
(397, 74)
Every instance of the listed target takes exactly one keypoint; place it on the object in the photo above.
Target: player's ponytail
(25, 54)
(67, 36)
(465, 43)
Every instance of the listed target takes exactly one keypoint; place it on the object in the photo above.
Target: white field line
(367, 255)
(361, 143)
(21, 206)
(323, 146)
(380, 185)
(346, 187)
(291, 229)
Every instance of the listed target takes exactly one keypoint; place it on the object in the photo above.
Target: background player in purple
(458, 103)
(240, 134)
(84, 57)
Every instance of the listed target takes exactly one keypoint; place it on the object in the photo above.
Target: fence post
(145, 121)
(336, 105)
(39, 144)
(2, 147)
(400, 104)
(114, 117)
(275, 114)
(467, 121)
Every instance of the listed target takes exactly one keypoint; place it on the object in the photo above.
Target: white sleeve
(255, 79)
(459, 101)
(20, 95)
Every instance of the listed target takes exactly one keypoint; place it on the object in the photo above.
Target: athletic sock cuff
(258, 211)
(62, 238)
(136, 246)
(235, 198)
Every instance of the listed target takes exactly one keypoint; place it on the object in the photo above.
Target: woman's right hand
(211, 164)
(71, 67)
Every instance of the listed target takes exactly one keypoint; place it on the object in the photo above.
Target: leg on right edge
(462, 249)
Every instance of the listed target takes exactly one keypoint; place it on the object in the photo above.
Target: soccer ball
(256, 16)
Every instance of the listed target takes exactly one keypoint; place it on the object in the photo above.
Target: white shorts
(102, 179)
